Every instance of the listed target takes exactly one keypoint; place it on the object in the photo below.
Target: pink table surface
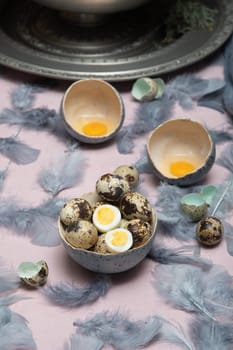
(132, 291)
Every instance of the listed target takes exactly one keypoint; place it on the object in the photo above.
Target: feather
(143, 165)
(10, 299)
(37, 118)
(228, 235)
(38, 223)
(222, 202)
(209, 293)
(207, 334)
(116, 330)
(15, 334)
(17, 151)
(125, 143)
(220, 136)
(213, 100)
(5, 315)
(181, 255)
(174, 334)
(171, 222)
(69, 295)
(226, 158)
(63, 174)
(3, 174)
(83, 342)
(9, 280)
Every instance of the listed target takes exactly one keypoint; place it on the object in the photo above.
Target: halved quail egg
(118, 240)
(106, 217)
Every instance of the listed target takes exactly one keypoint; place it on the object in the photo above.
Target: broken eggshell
(33, 274)
(181, 151)
(92, 111)
(194, 206)
(208, 192)
(147, 89)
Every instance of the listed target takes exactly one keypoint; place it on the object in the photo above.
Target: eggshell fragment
(33, 274)
(194, 206)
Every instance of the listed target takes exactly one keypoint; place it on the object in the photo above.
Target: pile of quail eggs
(113, 219)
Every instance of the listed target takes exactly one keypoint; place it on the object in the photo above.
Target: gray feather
(222, 203)
(116, 330)
(17, 151)
(83, 342)
(181, 255)
(63, 174)
(226, 158)
(69, 295)
(213, 100)
(3, 174)
(15, 334)
(212, 335)
(9, 280)
(228, 235)
(220, 136)
(143, 165)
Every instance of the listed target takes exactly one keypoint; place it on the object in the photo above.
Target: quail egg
(111, 187)
(33, 274)
(118, 240)
(181, 151)
(106, 217)
(134, 205)
(141, 231)
(81, 234)
(101, 246)
(209, 231)
(75, 209)
(129, 173)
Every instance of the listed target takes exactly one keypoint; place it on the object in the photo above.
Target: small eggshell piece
(209, 231)
(81, 234)
(33, 274)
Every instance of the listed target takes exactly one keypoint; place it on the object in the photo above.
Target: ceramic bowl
(109, 263)
(181, 151)
(92, 111)
(92, 6)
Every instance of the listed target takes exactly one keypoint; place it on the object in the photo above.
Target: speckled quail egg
(129, 173)
(74, 210)
(209, 231)
(111, 187)
(118, 240)
(81, 234)
(141, 231)
(100, 246)
(134, 205)
(33, 274)
(106, 217)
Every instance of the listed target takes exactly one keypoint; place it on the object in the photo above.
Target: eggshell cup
(109, 263)
(181, 140)
(96, 100)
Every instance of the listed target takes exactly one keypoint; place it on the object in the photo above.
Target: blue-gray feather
(17, 151)
(116, 330)
(3, 174)
(62, 174)
(221, 136)
(226, 158)
(70, 295)
(83, 342)
(9, 279)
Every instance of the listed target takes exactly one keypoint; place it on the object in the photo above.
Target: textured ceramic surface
(181, 151)
(95, 106)
(109, 263)
(92, 6)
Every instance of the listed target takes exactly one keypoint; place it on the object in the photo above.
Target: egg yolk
(95, 129)
(181, 168)
(119, 238)
(105, 215)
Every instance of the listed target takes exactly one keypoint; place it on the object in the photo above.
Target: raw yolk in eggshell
(181, 168)
(95, 129)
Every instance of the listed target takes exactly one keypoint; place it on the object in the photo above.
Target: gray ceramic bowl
(181, 151)
(92, 111)
(92, 6)
(108, 263)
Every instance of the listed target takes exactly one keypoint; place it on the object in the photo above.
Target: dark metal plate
(124, 46)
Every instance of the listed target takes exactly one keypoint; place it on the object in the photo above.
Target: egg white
(118, 240)
(106, 217)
